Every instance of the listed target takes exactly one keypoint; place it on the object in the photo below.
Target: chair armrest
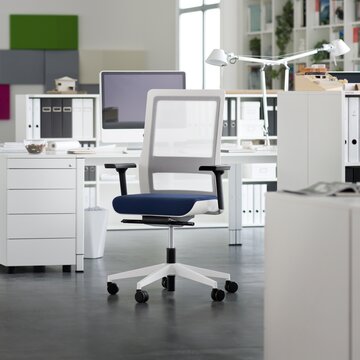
(121, 169)
(218, 171)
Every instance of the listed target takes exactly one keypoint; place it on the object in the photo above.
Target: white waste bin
(95, 232)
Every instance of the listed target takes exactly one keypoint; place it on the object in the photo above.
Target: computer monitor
(353, 77)
(123, 97)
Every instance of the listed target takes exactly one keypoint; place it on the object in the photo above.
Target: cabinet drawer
(41, 163)
(41, 201)
(41, 226)
(27, 252)
(41, 179)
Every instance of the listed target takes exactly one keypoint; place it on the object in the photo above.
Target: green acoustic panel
(44, 32)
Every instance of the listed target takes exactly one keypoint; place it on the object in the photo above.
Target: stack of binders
(230, 117)
(253, 204)
(55, 118)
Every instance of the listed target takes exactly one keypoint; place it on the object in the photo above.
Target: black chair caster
(217, 295)
(112, 288)
(141, 296)
(231, 286)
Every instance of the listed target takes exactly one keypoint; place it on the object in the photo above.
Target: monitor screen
(353, 77)
(123, 95)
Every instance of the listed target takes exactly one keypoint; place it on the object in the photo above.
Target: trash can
(95, 232)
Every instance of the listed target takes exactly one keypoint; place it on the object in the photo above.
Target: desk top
(134, 155)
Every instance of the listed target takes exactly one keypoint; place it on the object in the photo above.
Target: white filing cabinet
(312, 278)
(41, 211)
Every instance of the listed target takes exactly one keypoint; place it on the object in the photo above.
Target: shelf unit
(79, 114)
(244, 118)
(307, 33)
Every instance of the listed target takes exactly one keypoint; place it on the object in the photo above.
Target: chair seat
(166, 204)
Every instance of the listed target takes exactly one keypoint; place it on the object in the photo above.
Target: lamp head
(218, 57)
(335, 48)
(339, 47)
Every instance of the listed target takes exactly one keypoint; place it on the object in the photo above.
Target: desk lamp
(219, 57)
(335, 48)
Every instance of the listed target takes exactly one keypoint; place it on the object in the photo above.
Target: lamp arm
(299, 56)
(233, 58)
(265, 108)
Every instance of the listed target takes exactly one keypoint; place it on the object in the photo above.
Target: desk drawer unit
(41, 211)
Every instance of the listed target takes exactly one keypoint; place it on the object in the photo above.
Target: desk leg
(235, 204)
(79, 250)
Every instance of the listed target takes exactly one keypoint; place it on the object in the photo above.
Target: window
(199, 34)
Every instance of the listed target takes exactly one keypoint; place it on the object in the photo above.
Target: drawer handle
(57, 109)
(46, 109)
(67, 109)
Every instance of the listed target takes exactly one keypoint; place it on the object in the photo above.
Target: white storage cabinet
(41, 211)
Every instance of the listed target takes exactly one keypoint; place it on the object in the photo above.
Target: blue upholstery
(158, 204)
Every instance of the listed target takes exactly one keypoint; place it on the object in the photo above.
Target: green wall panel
(44, 32)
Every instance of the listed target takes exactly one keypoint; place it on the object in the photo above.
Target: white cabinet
(41, 212)
(311, 136)
(312, 278)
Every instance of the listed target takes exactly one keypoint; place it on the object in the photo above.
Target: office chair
(179, 178)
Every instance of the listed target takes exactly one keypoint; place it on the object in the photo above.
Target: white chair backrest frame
(182, 132)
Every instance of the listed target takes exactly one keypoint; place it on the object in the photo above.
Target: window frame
(203, 8)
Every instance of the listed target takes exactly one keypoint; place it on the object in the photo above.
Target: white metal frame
(157, 272)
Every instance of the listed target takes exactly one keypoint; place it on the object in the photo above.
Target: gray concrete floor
(55, 315)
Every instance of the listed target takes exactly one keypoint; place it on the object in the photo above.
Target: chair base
(157, 272)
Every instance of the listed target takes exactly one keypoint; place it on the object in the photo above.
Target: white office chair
(179, 178)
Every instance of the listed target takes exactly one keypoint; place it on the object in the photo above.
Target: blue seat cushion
(158, 204)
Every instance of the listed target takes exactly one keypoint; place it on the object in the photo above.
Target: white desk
(32, 230)
(312, 278)
(235, 178)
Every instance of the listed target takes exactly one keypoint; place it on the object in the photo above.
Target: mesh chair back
(182, 132)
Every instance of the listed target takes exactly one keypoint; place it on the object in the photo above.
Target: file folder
(67, 118)
(36, 111)
(346, 130)
(92, 173)
(45, 121)
(88, 119)
(244, 203)
(56, 118)
(353, 118)
(263, 189)
(250, 199)
(272, 115)
(257, 204)
(225, 131)
(77, 122)
(233, 117)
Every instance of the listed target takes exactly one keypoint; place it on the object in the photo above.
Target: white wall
(107, 24)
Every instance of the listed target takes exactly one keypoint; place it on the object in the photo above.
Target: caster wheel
(164, 282)
(112, 288)
(231, 286)
(217, 295)
(141, 296)
(67, 268)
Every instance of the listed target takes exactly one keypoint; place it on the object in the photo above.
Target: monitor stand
(134, 147)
